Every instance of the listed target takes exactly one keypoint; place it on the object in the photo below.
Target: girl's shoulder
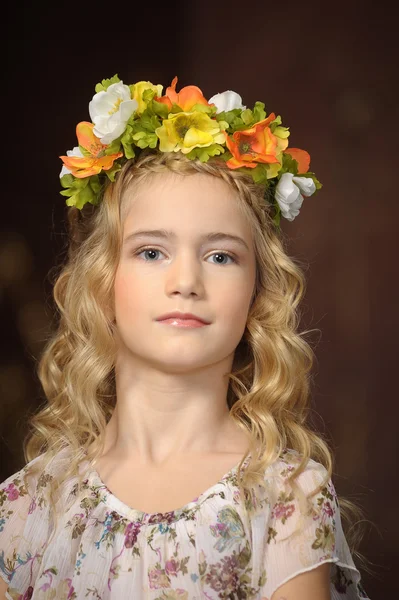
(304, 527)
(24, 507)
(19, 490)
(312, 475)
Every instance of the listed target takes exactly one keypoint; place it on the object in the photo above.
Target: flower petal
(119, 90)
(305, 184)
(100, 104)
(286, 191)
(64, 171)
(186, 98)
(87, 139)
(290, 211)
(189, 96)
(226, 101)
(110, 111)
(127, 108)
(196, 137)
(302, 157)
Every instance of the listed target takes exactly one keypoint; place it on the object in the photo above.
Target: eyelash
(140, 250)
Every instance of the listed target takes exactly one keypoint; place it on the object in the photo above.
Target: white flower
(110, 111)
(226, 101)
(288, 193)
(74, 152)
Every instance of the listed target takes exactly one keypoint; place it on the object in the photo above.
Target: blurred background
(330, 72)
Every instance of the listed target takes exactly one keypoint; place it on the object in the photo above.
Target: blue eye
(224, 254)
(147, 250)
(150, 249)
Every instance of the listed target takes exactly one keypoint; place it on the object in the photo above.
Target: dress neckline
(133, 514)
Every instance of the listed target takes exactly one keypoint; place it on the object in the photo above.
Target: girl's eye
(152, 250)
(227, 254)
(149, 250)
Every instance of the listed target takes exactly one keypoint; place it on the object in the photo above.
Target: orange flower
(98, 161)
(302, 157)
(255, 145)
(186, 98)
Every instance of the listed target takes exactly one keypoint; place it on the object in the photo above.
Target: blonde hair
(269, 390)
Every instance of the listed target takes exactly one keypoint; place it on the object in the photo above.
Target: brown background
(330, 73)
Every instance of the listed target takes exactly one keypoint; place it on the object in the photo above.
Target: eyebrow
(213, 236)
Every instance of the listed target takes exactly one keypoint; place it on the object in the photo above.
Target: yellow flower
(137, 93)
(187, 130)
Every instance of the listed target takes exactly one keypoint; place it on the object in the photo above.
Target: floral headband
(128, 118)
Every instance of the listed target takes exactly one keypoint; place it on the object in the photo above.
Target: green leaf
(276, 123)
(226, 156)
(223, 125)
(73, 200)
(113, 171)
(147, 122)
(146, 140)
(247, 116)
(143, 130)
(259, 112)
(230, 116)
(82, 191)
(204, 154)
(67, 180)
(87, 195)
(148, 95)
(80, 198)
(202, 108)
(81, 182)
(95, 184)
(114, 147)
(139, 135)
(76, 183)
(276, 220)
(277, 210)
(160, 109)
(104, 85)
(176, 109)
(259, 174)
(128, 149)
(290, 165)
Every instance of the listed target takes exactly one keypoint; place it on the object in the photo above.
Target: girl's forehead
(168, 182)
(198, 192)
(191, 206)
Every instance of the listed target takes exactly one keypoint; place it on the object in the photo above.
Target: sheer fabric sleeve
(301, 537)
(23, 524)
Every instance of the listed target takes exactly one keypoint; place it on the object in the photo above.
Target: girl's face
(183, 271)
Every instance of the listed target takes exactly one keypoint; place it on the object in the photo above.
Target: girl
(173, 459)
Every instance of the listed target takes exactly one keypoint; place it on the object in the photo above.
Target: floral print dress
(215, 547)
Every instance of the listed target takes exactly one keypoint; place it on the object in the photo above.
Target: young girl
(173, 459)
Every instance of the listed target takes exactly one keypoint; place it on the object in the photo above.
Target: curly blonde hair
(269, 390)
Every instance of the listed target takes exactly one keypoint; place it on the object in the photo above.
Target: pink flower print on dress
(12, 492)
(32, 506)
(328, 509)
(283, 512)
(28, 594)
(172, 567)
(131, 533)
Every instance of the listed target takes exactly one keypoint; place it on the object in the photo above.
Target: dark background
(330, 73)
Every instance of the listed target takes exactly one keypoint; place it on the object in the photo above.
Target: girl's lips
(174, 321)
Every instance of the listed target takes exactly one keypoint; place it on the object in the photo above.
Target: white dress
(211, 548)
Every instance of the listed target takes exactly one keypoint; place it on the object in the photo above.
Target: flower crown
(128, 118)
